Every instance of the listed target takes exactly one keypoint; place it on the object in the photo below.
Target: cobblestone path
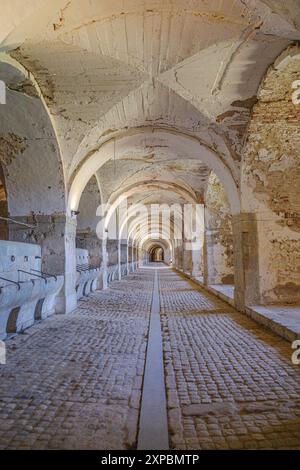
(230, 383)
(74, 381)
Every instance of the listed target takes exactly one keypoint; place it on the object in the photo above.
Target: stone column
(179, 254)
(140, 257)
(104, 262)
(217, 251)
(267, 260)
(128, 257)
(119, 261)
(112, 247)
(187, 259)
(245, 237)
(132, 257)
(196, 259)
(122, 255)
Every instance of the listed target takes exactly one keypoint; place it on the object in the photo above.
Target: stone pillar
(187, 259)
(179, 254)
(56, 235)
(267, 260)
(129, 248)
(104, 263)
(136, 255)
(128, 257)
(132, 257)
(119, 261)
(196, 259)
(112, 247)
(245, 238)
(217, 250)
(122, 256)
(140, 258)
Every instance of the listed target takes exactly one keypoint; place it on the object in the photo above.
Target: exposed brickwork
(230, 383)
(271, 179)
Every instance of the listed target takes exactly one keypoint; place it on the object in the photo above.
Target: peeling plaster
(11, 145)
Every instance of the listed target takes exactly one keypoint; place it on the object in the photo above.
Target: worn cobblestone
(230, 383)
(74, 381)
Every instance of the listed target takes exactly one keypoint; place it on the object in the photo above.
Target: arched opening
(138, 142)
(156, 254)
(32, 185)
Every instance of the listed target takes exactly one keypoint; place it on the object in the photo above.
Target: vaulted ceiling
(107, 67)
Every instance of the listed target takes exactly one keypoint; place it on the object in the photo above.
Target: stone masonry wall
(271, 181)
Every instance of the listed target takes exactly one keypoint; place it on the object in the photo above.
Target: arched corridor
(149, 224)
(156, 254)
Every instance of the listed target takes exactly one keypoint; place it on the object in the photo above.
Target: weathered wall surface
(3, 207)
(50, 233)
(271, 181)
(86, 237)
(87, 219)
(29, 153)
(112, 247)
(218, 268)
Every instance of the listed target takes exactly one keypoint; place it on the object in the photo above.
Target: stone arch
(156, 253)
(113, 203)
(141, 222)
(174, 143)
(34, 177)
(30, 152)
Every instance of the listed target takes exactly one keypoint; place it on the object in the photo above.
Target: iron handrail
(12, 282)
(32, 274)
(44, 274)
(79, 269)
(9, 219)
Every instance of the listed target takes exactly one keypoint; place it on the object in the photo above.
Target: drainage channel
(153, 424)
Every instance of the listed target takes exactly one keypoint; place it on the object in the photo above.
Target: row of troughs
(28, 295)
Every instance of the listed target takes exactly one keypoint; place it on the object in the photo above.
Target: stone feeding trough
(26, 293)
(88, 277)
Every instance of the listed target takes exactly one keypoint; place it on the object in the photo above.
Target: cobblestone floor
(230, 383)
(74, 381)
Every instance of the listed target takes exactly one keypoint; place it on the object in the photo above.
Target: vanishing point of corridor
(76, 381)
